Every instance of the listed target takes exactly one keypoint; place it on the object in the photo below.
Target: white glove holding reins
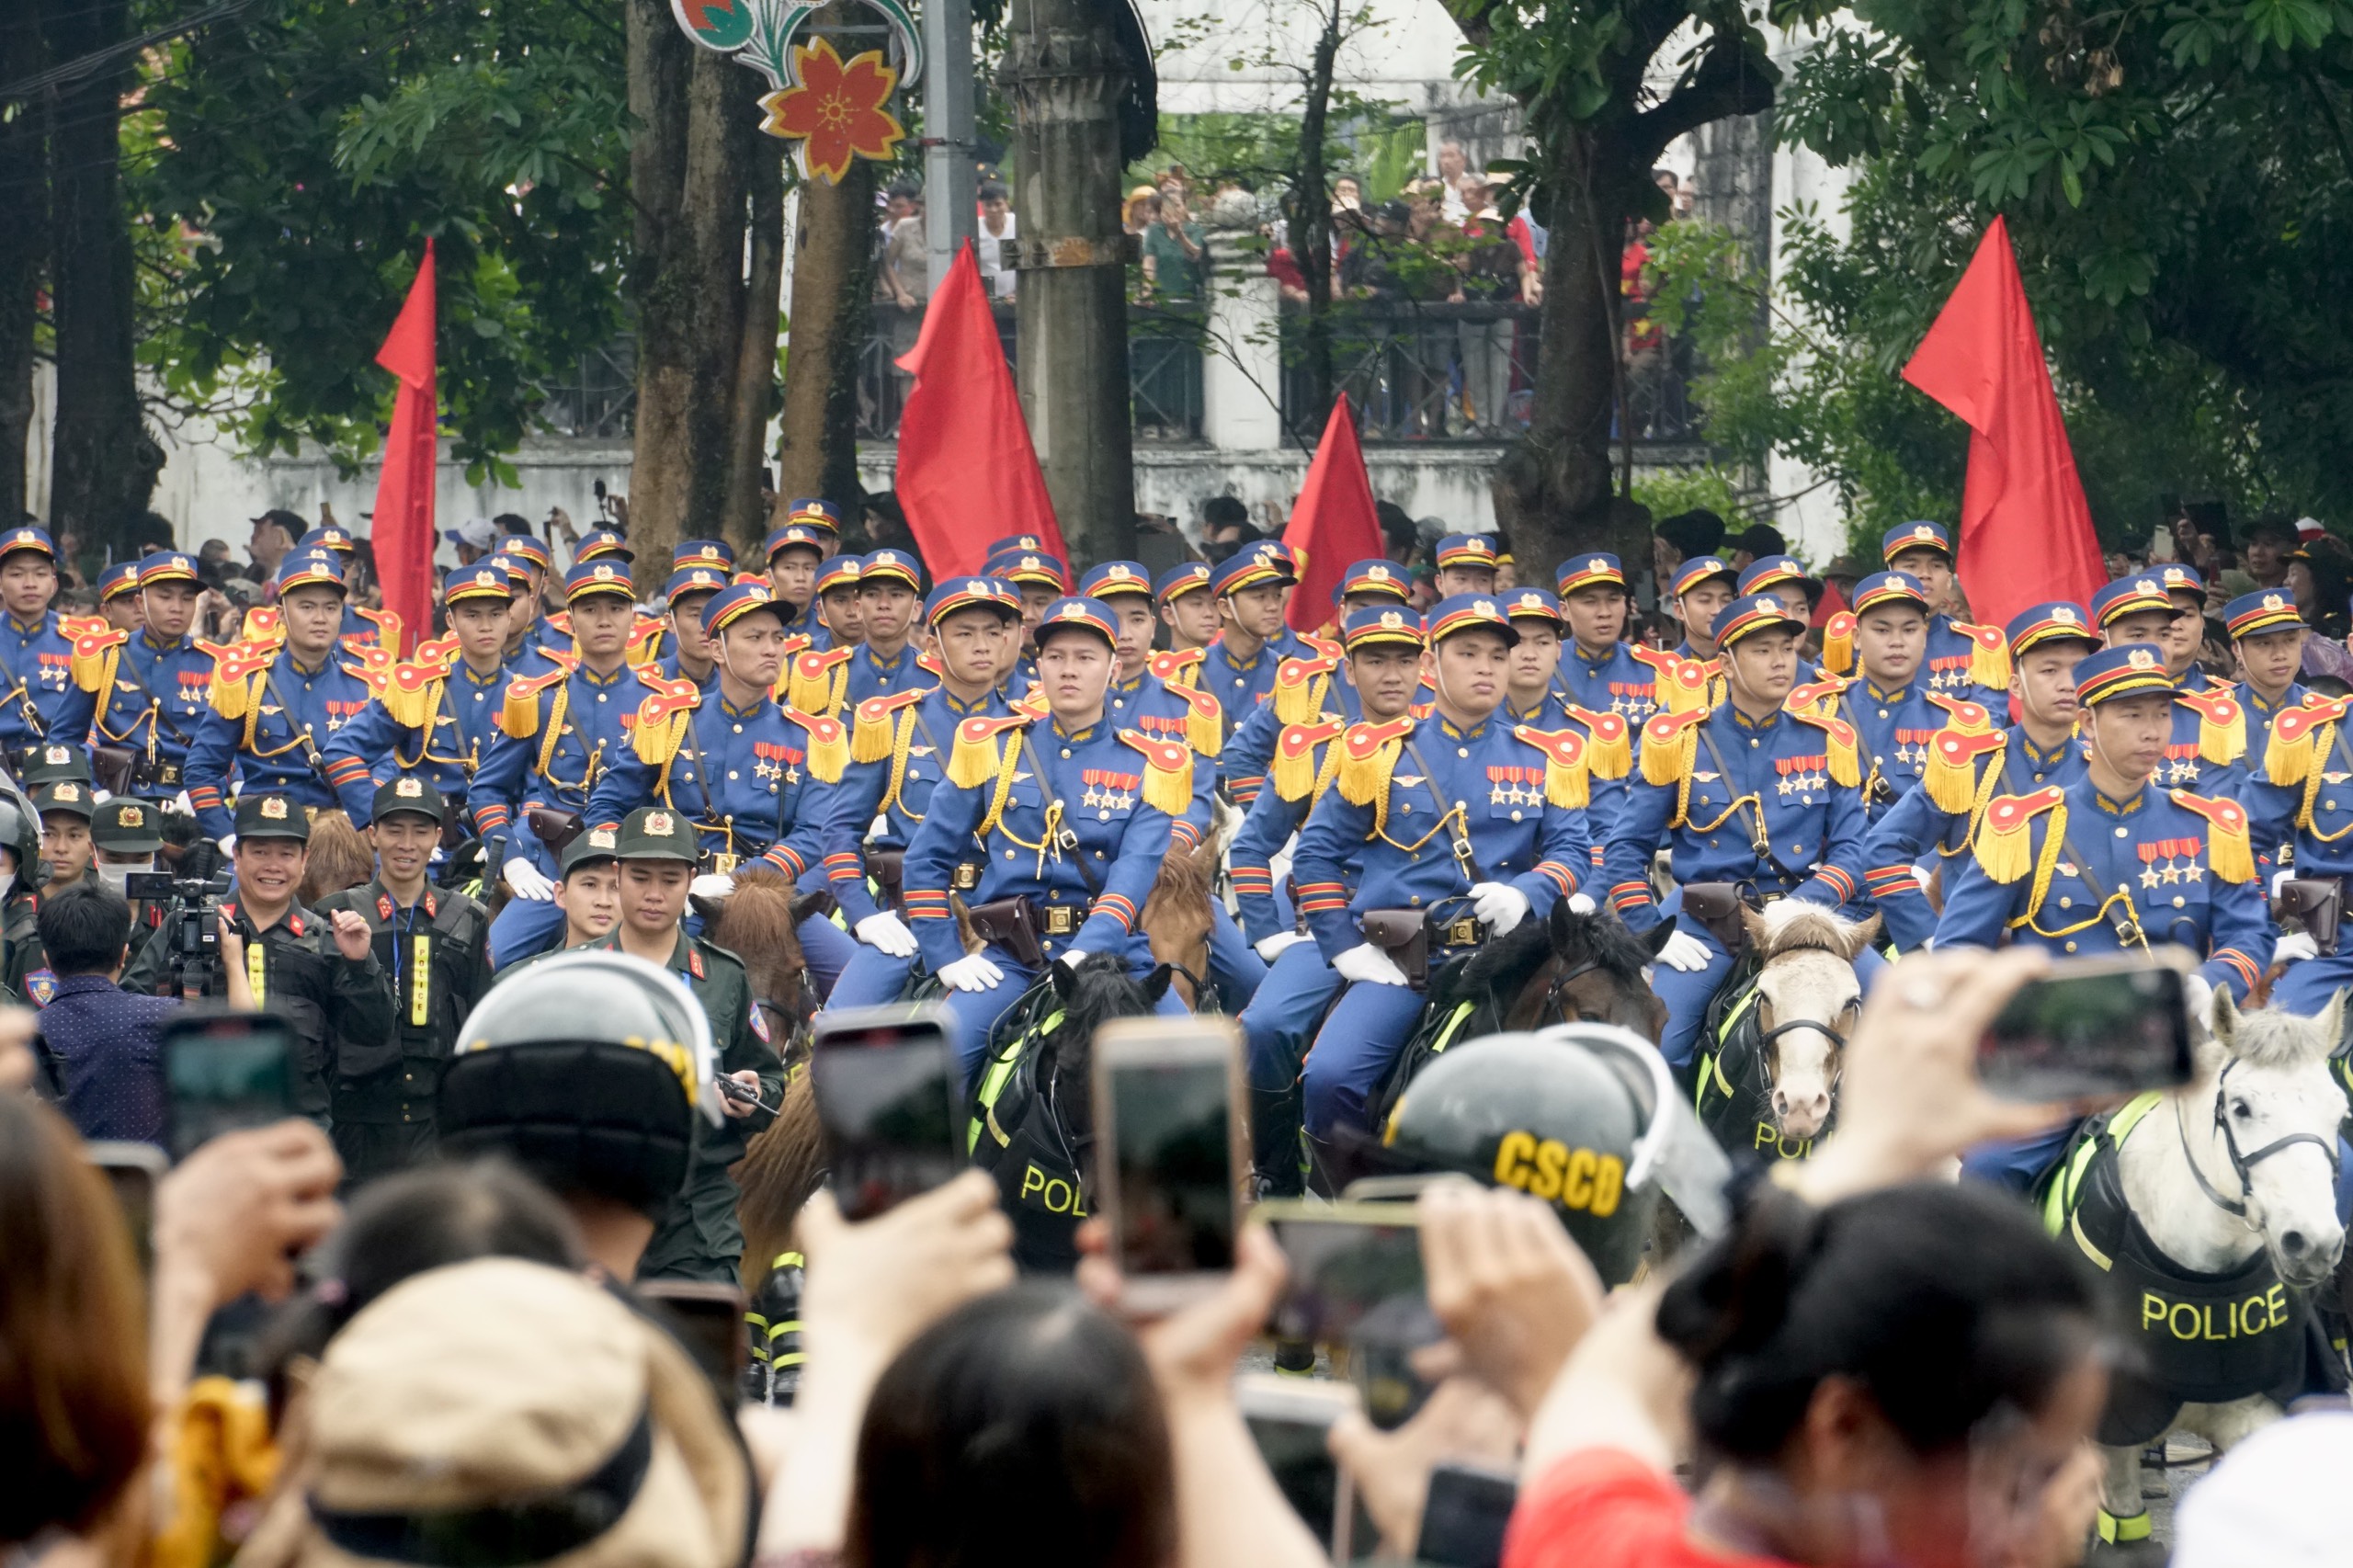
(1500, 905)
(887, 935)
(2295, 947)
(972, 973)
(527, 881)
(1684, 952)
(1368, 963)
(713, 884)
(1271, 947)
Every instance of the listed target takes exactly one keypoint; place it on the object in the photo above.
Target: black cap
(657, 833)
(127, 827)
(69, 795)
(272, 815)
(410, 793)
(588, 845)
(48, 763)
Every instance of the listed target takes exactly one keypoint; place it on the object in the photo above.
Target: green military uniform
(436, 952)
(127, 827)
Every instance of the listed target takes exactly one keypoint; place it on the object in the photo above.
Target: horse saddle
(1405, 935)
(554, 827)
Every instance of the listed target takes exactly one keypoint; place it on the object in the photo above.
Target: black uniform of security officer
(317, 971)
(699, 1237)
(433, 944)
(19, 900)
(127, 836)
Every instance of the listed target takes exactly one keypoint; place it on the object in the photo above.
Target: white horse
(2240, 1162)
(1768, 1086)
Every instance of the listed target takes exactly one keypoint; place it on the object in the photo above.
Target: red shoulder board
(2228, 816)
(238, 660)
(797, 641)
(1968, 714)
(929, 663)
(2215, 707)
(413, 677)
(74, 625)
(1174, 662)
(90, 640)
(817, 663)
(984, 728)
(1564, 747)
(1657, 659)
(1604, 727)
(1665, 727)
(2295, 723)
(1199, 702)
(567, 663)
(1806, 696)
(639, 629)
(1838, 730)
(1298, 740)
(1690, 674)
(823, 728)
(1169, 756)
(670, 698)
(694, 961)
(383, 906)
(1325, 647)
(2005, 814)
(1298, 672)
(874, 709)
(560, 622)
(443, 649)
(1839, 625)
(1959, 748)
(1983, 636)
(1363, 740)
(531, 686)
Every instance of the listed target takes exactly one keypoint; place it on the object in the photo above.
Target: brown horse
(778, 1171)
(1176, 919)
(338, 857)
(758, 921)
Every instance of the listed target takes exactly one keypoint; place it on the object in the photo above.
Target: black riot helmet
(1582, 1115)
(20, 834)
(587, 1069)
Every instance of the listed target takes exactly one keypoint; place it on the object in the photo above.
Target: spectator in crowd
(1677, 538)
(1140, 211)
(994, 228)
(74, 1410)
(99, 1039)
(907, 265)
(1176, 252)
(1347, 196)
(2320, 582)
(1451, 164)
(1226, 527)
(1491, 267)
(274, 536)
(1645, 341)
(1399, 538)
(1757, 539)
(2268, 540)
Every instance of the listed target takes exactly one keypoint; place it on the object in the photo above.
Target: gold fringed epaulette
(816, 680)
(387, 623)
(645, 639)
(234, 667)
(1989, 655)
(1368, 756)
(1669, 742)
(1680, 684)
(877, 720)
(1567, 782)
(97, 650)
(1175, 663)
(1299, 685)
(1204, 721)
(972, 761)
(518, 712)
(1846, 761)
(1168, 771)
(2005, 839)
(1838, 643)
(374, 667)
(1324, 647)
(660, 722)
(263, 624)
(2230, 848)
(828, 744)
(409, 690)
(1813, 695)
(1609, 743)
(928, 662)
(2289, 755)
(1969, 717)
(1294, 765)
(1950, 776)
(2221, 723)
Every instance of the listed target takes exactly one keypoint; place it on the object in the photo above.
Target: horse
(780, 1167)
(1770, 1080)
(1175, 917)
(758, 920)
(2214, 1210)
(336, 857)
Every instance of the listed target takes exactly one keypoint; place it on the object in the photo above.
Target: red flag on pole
(2026, 530)
(967, 473)
(1334, 523)
(401, 534)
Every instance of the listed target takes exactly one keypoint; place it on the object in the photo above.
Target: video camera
(192, 932)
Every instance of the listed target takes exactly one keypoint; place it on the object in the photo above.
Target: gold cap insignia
(409, 789)
(1391, 620)
(603, 574)
(57, 754)
(1768, 604)
(132, 816)
(1922, 530)
(600, 838)
(659, 824)
(2064, 615)
(273, 807)
(2142, 659)
(2144, 586)
(1484, 609)
(68, 792)
(2273, 601)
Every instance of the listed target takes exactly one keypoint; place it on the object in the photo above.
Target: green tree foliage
(299, 158)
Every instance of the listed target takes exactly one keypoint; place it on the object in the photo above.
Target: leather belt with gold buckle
(968, 877)
(1463, 932)
(169, 775)
(1061, 919)
(724, 864)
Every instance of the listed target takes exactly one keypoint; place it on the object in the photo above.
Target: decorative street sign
(832, 109)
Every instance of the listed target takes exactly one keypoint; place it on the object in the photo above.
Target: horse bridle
(2241, 1164)
(1560, 986)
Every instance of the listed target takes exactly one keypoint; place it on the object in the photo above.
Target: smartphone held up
(890, 1103)
(1171, 1149)
(2094, 1027)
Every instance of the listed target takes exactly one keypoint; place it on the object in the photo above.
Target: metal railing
(1164, 347)
(600, 399)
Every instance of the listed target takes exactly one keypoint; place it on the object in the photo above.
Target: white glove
(2295, 947)
(1684, 952)
(713, 884)
(2197, 995)
(526, 880)
(180, 805)
(1271, 947)
(2284, 873)
(1072, 957)
(1580, 904)
(1500, 905)
(972, 973)
(1925, 873)
(228, 844)
(1367, 962)
(887, 934)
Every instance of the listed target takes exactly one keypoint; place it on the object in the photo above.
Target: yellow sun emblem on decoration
(834, 109)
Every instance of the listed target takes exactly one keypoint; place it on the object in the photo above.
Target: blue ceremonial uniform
(1445, 791)
(2302, 795)
(35, 664)
(1725, 775)
(374, 748)
(1249, 749)
(288, 717)
(2208, 754)
(667, 663)
(1241, 685)
(1616, 683)
(873, 676)
(157, 702)
(1945, 666)
(1076, 838)
(1904, 836)
(1301, 983)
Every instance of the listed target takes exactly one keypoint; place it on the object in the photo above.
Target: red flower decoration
(835, 110)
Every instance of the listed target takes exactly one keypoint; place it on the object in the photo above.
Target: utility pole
(1065, 73)
(948, 189)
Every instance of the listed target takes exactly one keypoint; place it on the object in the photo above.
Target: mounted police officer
(746, 774)
(362, 627)
(1068, 816)
(1465, 564)
(1888, 702)
(119, 596)
(1534, 696)
(900, 747)
(1962, 660)
(1747, 793)
(2113, 862)
(1598, 670)
(685, 595)
(440, 719)
(275, 709)
(1239, 668)
(1188, 610)
(890, 599)
(155, 686)
(1457, 827)
(1384, 658)
(2301, 793)
(1689, 676)
(794, 552)
(39, 699)
(2208, 751)
(1970, 763)
(560, 732)
(434, 945)
(1039, 579)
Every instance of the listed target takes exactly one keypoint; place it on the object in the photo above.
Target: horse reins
(2240, 1164)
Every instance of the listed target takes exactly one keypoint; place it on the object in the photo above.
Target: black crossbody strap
(1450, 816)
(310, 747)
(702, 770)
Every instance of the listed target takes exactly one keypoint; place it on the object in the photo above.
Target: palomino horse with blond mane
(1767, 1076)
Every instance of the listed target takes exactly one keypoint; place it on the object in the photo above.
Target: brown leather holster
(110, 768)
(2317, 902)
(1717, 906)
(889, 868)
(556, 828)
(1010, 924)
(1405, 935)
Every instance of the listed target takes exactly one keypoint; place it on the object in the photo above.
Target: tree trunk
(690, 174)
(104, 463)
(24, 247)
(1552, 490)
(755, 357)
(1310, 226)
(832, 288)
(1065, 73)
